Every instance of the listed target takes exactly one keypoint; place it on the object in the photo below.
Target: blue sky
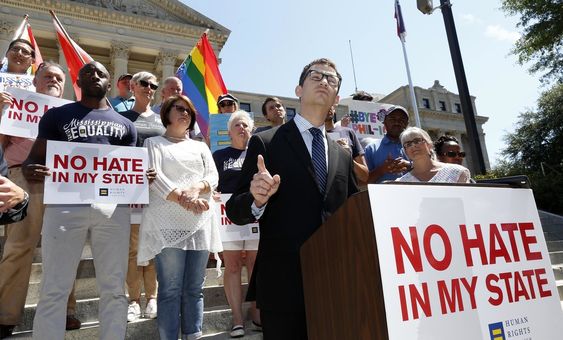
(271, 41)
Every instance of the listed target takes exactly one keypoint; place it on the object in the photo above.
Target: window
(290, 113)
(426, 103)
(457, 107)
(442, 105)
(245, 107)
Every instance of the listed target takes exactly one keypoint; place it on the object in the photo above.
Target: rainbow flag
(24, 32)
(202, 81)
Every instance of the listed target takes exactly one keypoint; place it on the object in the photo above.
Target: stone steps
(216, 322)
(87, 295)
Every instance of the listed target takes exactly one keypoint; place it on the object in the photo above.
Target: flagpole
(353, 68)
(401, 32)
(411, 88)
(66, 35)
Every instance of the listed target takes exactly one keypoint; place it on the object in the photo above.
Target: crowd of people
(308, 163)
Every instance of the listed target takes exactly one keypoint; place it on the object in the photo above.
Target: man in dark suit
(292, 180)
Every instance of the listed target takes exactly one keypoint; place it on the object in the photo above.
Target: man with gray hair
(172, 86)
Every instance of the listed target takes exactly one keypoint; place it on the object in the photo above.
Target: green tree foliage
(542, 39)
(535, 149)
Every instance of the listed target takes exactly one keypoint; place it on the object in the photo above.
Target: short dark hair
(443, 140)
(363, 96)
(23, 41)
(167, 107)
(269, 99)
(322, 61)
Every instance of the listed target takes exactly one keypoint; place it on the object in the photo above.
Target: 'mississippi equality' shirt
(76, 123)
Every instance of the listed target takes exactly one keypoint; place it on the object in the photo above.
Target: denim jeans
(180, 276)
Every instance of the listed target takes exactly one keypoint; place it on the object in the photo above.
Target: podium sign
(464, 263)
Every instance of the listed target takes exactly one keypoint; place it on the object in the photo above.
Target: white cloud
(499, 33)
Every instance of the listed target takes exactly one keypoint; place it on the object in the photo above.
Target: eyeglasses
(415, 141)
(226, 103)
(452, 154)
(24, 51)
(181, 108)
(145, 83)
(331, 78)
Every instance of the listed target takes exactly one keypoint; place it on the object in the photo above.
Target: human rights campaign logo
(104, 192)
(496, 331)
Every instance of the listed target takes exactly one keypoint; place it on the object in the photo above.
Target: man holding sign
(66, 227)
(22, 237)
(292, 180)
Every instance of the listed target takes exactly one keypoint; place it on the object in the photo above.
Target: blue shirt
(121, 104)
(378, 152)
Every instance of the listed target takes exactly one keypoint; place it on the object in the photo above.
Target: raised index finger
(261, 165)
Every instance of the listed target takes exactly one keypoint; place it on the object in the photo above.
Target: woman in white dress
(425, 168)
(179, 227)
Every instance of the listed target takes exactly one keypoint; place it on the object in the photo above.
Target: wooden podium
(341, 276)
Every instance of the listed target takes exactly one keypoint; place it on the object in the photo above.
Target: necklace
(175, 138)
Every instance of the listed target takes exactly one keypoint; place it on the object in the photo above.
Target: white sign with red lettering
(21, 118)
(464, 263)
(95, 173)
(231, 231)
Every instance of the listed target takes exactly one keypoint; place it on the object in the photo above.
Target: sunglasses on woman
(145, 83)
(453, 154)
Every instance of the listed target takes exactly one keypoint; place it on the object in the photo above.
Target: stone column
(167, 62)
(6, 34)
(119, 57)
(165, 66)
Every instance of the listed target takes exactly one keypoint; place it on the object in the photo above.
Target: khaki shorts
(241, 245)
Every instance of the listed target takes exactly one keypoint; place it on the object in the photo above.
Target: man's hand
(10, 194)
(35, 172)
(151, 174)
(263, 185)
(395, 166)
(5, 99)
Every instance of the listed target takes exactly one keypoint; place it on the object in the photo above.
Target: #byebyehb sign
(231, 231)
(464, 263)
(95, 173)
(21, 118)
(21, 81)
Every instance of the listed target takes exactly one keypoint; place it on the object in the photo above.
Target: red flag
(24, 32)
(75, 56)
(401, 31)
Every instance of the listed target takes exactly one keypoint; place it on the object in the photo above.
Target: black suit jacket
(292, 214)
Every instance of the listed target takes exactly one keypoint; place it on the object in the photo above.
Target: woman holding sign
(425, 168)
(148, 124)
(229, 164)
(179, 227)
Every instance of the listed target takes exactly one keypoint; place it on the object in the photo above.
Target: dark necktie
(319, 158)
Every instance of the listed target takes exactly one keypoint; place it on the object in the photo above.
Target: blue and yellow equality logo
(496, 331)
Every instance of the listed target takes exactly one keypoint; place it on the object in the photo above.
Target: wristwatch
(23, 203)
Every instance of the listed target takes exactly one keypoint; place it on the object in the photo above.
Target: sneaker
(237, 331)
(72, 323)
(257, 326)
(133, 311)
(150, 311)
